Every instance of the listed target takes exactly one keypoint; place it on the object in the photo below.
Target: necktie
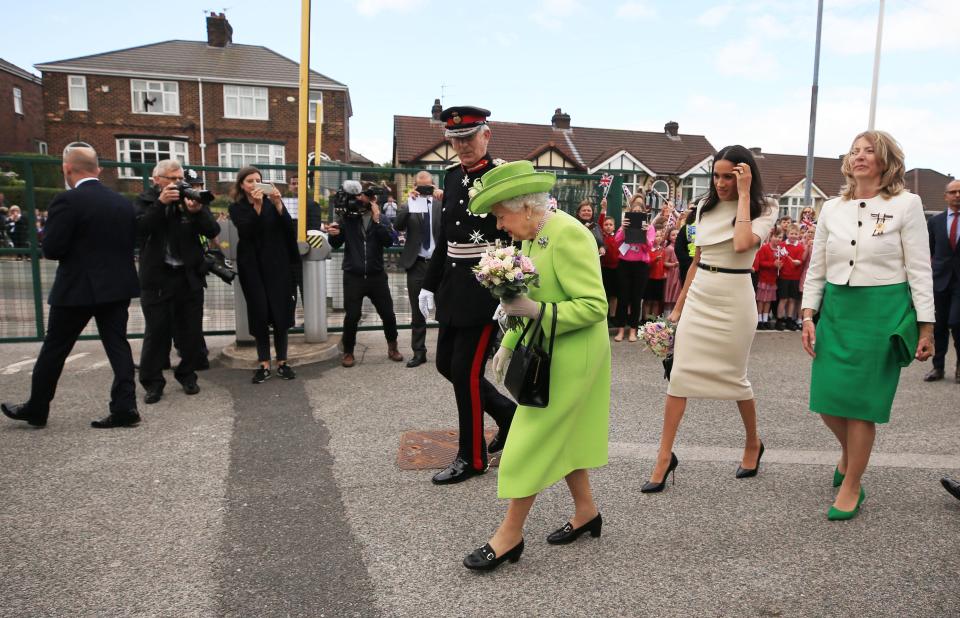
(425, 227)
(953, 231)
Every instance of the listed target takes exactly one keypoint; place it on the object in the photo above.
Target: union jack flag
(605, 181)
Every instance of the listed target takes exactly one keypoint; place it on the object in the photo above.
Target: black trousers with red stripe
(461, 359)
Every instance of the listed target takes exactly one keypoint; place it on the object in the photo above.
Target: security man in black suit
(172, 277)
(944, 230)
(422, 230)
(464, 308)
(91, 230)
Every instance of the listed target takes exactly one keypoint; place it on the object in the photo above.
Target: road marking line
(98, 365)
(15, 367)
(70, 359)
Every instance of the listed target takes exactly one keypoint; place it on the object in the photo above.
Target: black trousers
(174, 310)
(633, 281)
(374, 287)
(947, 308)
(63, 328)
(418, 323)
(461, 359)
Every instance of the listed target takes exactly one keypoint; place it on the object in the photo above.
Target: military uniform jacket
(460, 299)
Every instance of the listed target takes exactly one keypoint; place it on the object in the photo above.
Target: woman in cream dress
(716, 311)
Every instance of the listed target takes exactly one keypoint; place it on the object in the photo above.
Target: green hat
(507, 181)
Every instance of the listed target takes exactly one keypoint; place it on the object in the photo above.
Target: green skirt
(864, 336)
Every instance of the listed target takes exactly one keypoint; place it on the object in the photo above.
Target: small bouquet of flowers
(507, 273)
(659, 336)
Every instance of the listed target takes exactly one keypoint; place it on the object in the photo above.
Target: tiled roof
(235, 63)
(15, 70)
(583, 146)
(780, 172)
(929, 185)
(358, 159)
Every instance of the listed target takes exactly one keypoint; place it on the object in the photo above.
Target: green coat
(546, 444)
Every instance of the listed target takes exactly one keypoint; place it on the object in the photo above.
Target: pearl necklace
(543, 221)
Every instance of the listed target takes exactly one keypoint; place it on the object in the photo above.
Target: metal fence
(26, 277)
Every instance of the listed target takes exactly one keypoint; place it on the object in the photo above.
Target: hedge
(47, 171)
(42, 196)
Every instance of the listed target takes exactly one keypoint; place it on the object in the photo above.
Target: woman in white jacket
(871, 282)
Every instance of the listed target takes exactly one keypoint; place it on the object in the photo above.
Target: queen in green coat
(569, 436)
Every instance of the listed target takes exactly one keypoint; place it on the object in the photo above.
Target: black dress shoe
(190, 387)
(933, 375)
(127, 419)
(20, 412)
(499, 441)
(485, 559)
(153, 395)
(567, 534)
(951, 486)
(417, 360)
(457, 472)
(745, 473)
(651, 488)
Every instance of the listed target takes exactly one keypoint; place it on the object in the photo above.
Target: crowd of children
(643, 280)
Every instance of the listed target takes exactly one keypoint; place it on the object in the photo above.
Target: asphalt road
(285, 499)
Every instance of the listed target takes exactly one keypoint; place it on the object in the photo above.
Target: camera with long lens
(188, 192)
(215, 262)
(346, 201)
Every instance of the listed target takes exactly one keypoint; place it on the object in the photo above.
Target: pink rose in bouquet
(507, 273)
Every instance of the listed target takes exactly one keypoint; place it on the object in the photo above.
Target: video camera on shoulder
(347, 203)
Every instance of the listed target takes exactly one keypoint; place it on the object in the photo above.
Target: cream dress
(719, 316)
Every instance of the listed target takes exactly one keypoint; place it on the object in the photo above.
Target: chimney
(436, 109)
(560, 120)
(756, 152)
(219, 31)
(672, 129)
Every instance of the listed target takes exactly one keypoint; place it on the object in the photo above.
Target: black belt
(420, 258)
(718, 269)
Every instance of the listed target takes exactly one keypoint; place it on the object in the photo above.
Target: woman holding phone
(266, 248)
(716, 314)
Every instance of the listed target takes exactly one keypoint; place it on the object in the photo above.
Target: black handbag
(528, 376)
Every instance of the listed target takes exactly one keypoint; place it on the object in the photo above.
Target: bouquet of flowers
(507, 273)
(659, 336)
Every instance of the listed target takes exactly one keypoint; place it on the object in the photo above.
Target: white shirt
(877, 241)
(83, 180)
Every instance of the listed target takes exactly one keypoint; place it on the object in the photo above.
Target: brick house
(674, 165)
(784, 177)
(930, 185)
(212, 102)
(21, 111)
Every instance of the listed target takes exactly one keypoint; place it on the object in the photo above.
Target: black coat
(461, 301)
(159, 224)
(944, 260)
(91, 230)
(266, 248)
(363, 242)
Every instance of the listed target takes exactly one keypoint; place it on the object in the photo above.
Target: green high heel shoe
(835, 514)
(837, 477)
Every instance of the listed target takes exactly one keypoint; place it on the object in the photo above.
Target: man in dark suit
(422, 230)
(91, 231)
(944, 231)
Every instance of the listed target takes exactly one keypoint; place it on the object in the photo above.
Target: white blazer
(878, 241)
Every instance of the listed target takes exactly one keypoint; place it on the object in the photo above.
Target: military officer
(464, 308)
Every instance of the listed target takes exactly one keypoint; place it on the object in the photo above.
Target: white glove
(425, 301)
(520, 307)
(501, 360)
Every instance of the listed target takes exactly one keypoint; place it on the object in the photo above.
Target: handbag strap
(553, 326)
(534, 323)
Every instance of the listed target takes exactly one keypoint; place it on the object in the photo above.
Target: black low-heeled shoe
(567, 534)
(651, 488)
(745, 473)
(485, 559)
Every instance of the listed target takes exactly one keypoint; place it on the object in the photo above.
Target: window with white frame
(151, 97)
(236, 155)
(791, 206)
(659, 192)
(18, 101)
(633, 182)
(77, 92)
(315, 97)
(42, 148)
(137, 150)
(248, 102)
(694, 187)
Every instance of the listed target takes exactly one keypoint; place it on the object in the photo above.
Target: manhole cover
(426, 450)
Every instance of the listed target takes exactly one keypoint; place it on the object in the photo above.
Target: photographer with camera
(359, 231)
(171, 217)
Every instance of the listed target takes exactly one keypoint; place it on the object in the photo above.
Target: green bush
(46, 169)
(41, 195)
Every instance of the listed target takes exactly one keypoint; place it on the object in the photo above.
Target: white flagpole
(876, 71)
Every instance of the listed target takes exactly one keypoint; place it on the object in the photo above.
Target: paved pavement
(285, 499)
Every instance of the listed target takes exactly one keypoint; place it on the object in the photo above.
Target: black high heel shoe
(567, 534)
(745, 473)
(651, 488)
(485, 559)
